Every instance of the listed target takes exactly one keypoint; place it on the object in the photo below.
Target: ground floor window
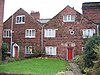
(28, 50)
(50, 50)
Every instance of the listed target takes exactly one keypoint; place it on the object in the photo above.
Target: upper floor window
(87, 33)
(30, 33)
(69, 18)
(49, 32)
(20, 19)
(50, 50)
(29, 50)
(6, 33)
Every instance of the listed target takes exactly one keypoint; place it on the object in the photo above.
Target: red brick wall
(1, 24)
(92, 11)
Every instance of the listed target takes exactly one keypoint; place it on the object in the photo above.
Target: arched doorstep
(15, 50)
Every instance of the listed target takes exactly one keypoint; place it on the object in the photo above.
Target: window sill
(20, 23)
(29, 37)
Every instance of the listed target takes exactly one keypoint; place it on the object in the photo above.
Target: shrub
(4, 50)
(89, 54)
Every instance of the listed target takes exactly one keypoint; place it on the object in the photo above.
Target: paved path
(75, 69)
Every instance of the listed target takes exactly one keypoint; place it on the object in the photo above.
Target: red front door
(70, 54)
(16, 52)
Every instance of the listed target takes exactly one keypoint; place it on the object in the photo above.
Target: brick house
(1, 24)
(65, 33)
(24, 31)
(62, 36)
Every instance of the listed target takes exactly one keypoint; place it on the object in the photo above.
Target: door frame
(15, 45)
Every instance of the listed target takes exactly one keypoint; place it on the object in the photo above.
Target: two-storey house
(65, 33)
(22, 33)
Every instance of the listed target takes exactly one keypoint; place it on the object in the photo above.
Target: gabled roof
(64, 9)
(22, 10)
(75, 11)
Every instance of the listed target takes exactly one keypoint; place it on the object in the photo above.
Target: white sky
(47, 8)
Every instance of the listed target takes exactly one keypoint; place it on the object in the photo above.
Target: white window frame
(7, 33)
(69, 18)
(27, 50)
(88, 33)
(51, 50)
(29, 33)
(20, 19)
(50, 33)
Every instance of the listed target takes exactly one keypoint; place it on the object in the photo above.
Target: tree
(89, 54)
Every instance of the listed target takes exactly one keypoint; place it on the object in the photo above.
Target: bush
(79, 61)
(4, 50)
(89, 54)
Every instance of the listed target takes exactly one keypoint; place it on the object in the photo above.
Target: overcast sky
(47, 8)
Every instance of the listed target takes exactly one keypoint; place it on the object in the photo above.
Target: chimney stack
(91, 10)
(35, 15)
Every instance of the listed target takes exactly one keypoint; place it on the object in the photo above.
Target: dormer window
(20, 19)
(69, 18)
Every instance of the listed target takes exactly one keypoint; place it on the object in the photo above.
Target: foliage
(4, 50)
(89, 54)
(35, 66)
(97, 50)
(79, 61)
(98, 71)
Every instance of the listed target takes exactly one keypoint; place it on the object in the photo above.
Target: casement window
(6, 33)
(87, 33)
(20, 19)
(30, 33)
(50, 50)
(69, 18)
(29, 50)
(50, 32)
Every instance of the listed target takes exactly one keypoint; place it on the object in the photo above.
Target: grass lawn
(35, 66)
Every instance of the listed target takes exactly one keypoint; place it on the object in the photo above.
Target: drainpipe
(11, 50)
(42, 39)
(97, 30)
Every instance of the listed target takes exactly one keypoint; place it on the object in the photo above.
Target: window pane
(69, 18)
(30, 33)
(33, 33)
(50, 50)
(49, 32)
(20, 19)
(23, 19)
(87, 33)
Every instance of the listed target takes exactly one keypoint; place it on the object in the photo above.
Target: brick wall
(1, 24)
(92, 11)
